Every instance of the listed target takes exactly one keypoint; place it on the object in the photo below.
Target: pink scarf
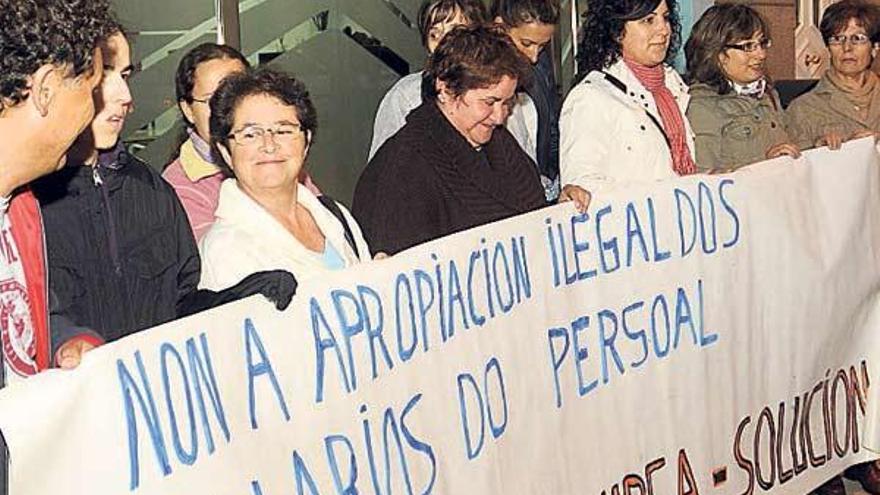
(654, 80)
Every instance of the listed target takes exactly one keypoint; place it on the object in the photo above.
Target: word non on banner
(709, 334)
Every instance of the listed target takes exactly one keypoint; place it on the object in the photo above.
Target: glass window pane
(348, 53)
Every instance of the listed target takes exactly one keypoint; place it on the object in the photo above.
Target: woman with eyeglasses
(194, 174)
(262, 124)
(734, 110)
(846, 103)
(624, 121)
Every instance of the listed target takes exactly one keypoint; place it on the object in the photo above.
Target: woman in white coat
(624, 122)
(262, 123)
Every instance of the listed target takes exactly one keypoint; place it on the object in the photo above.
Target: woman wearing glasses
(734, 110)
(262, 124)
(846, 102)
(194, 174)
(624, 122)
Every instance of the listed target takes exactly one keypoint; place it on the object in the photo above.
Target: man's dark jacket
(121, 252)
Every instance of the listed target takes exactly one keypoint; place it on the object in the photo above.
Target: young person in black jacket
(122, 256)
(531, 24)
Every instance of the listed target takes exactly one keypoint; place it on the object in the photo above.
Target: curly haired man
(49, 65)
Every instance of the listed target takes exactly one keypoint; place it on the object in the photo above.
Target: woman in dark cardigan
(453, 165)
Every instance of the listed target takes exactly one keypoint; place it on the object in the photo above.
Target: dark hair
(185, 78)
(34, 33)
(718, 27)
(515, 13)
(838, 15)
(472, 58)
(433, 12)
(254, 82)
(604, 22)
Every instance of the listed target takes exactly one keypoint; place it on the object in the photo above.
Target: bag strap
(617, 83)
(334, 208)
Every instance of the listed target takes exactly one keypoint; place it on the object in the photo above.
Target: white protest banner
(711, 334)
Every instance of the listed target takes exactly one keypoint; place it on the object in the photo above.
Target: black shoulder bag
(334, 208)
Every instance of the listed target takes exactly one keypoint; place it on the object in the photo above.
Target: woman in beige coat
(846, 103)
(734, 112)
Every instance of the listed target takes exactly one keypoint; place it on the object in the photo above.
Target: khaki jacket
(733, 130)
(827, 109)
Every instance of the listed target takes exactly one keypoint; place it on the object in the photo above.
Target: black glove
(278, 286)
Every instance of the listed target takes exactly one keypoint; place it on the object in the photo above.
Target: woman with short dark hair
(435, 19)
(624, 122)
(846, 103)
(472, 59)
(734, 110)
(262, 125)
(453, 165)
(261, 82)
(195, 174)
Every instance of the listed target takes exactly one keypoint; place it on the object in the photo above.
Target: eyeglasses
(854, 39)
(751, 46)
(205, 100)
(281, 134)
